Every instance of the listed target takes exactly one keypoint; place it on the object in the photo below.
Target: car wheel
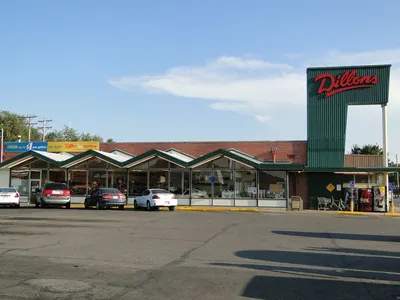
(87, 205)
(41, 204)
(121, 207)
(16, 206)
(135, 205)
(68, 205)
(98, 206)
(171, 208)
(148, 206)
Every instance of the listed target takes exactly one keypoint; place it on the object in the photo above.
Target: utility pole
(44, 127)
(29, 122)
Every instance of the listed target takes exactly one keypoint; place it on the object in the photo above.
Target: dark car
(54, 193)
(105, 197)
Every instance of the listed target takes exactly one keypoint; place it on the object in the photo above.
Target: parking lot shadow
(281, 288)
(342, 236)
(316, 275)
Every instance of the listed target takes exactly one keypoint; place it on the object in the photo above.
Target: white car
(9, 196)
(154, 198)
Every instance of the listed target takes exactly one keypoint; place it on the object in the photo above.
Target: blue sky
(189, 70)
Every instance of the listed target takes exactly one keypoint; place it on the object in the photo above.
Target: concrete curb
(392, 215)
(351, 213)
(208, 208)
(195, 208)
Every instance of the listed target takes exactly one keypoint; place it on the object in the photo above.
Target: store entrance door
(34, 183)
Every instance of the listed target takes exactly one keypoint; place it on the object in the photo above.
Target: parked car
(9, 196)
(55, 193)
(105, 197)
(154, 198)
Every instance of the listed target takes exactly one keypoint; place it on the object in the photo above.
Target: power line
(29, 122)
(44, 127)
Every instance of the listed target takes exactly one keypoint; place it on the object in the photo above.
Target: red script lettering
(344, 82)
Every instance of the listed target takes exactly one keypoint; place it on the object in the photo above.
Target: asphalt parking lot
(111, 254)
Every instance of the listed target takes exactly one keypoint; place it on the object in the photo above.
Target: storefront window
(117, 179)
(137, 182)
(272, 185)
(224, 184)
(361, 178)
(179, 183)
(57, 176)
(98, 178)
(20, 181)
(158, 179)
(201, 184)
(245, 184)
(77, 182)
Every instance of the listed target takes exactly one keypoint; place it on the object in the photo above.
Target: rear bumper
(9, 202)
(165, 204)
(56, 201)
(113, 203)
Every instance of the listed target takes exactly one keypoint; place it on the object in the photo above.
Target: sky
(182, 70)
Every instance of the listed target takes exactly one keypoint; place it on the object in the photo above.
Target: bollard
(352, 206)
(393, 207)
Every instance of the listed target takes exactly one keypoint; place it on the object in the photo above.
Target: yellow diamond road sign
(330, 187)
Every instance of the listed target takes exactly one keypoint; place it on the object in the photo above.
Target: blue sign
(25, 146)
(351, 183)
(391, 186)
(212, 179)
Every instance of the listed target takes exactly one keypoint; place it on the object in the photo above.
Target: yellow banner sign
(72, 146)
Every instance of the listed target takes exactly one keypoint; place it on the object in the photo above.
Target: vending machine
(365, 200)
(379, 198)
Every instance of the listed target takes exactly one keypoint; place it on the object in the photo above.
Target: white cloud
(263, 89)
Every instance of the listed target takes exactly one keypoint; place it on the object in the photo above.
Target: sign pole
(385, 151)
(2, 144)
(397, 165)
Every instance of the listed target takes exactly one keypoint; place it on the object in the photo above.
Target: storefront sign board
(72, 146)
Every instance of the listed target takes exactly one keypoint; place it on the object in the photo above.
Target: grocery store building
(238, 173)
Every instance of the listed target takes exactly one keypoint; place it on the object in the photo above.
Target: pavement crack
(28, 249)
(153, 274)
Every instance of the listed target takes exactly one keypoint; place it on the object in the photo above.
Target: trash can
(296, 203)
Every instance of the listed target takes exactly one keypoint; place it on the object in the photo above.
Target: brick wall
(298, 186)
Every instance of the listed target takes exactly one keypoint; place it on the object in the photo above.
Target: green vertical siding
(327, 117)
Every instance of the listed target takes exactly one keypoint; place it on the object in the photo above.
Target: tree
(110, 140)
(69, 134)
(89, 137)
(367, 149)
(14, 125)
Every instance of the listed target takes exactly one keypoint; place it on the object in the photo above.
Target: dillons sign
(349, 80)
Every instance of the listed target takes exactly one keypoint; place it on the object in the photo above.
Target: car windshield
(56, 186)
(160, 191)
(110, 191)
(7, 190)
